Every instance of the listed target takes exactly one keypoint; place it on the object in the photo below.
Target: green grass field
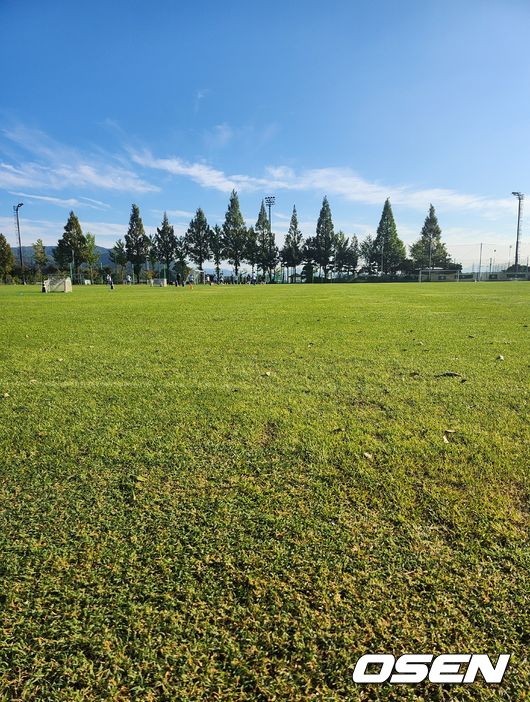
(233, 493)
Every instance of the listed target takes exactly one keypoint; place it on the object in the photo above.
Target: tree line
(323, 253)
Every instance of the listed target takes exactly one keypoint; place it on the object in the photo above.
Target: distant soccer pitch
(233, 493)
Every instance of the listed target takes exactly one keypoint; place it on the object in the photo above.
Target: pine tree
(216, 245)
(291, 253)
(390, 248)
(7, 260)
(92, 256)
(198, 239)
(369, 253)
(342, 245)
(324, 239)
(136, 242)
(152, 253)
(234, 233)
(118, 256)
(39, 256)
(429, 251)
(267, 251)
(166, 243)
(181, 252)
(72, 247)
(252, 248)
(352, 255)
(261, 231)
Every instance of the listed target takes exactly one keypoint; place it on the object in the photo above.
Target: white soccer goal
(159, 282)
(57, 284)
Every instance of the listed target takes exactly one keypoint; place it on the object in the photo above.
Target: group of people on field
(249, 279)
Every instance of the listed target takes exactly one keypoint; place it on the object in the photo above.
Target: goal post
(57, 284)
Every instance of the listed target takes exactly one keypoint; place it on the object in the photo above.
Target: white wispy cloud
(54, 166)
(342, 182)
(68, 202)
(200, 173)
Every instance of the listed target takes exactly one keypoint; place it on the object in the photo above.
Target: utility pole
(520, 197)
(480, 262)
(16, 209)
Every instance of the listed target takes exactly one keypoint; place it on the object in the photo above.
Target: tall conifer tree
(198, 239)
(390, 248)
(429, 250)
(325, 239)
(234, 233)
(136, 242)
(165, 242)
(292, 254)
(72, 246)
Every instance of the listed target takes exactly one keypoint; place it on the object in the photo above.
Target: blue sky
(170, 105)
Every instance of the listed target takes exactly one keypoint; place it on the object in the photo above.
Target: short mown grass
(233, 493)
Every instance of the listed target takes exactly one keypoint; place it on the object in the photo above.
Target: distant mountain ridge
(27, 254)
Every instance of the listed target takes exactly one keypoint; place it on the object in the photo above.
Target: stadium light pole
(509, 255)
(480, 262)
(16, 209)
(520, 197)
(270, 200)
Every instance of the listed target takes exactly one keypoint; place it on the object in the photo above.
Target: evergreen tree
(261, 231)
(136, 242)
(216, 245)
(309, 258)
(252, 248)
(390, 248)
(324, 239)
(267, 251)
(72, 246)
(166, 243)
(234, 233)
(429, 251)
(92, 256)
(352, 255)
(181, 252)
(369, 253)
(118, 256)
(152, 253)
(7, 260)
(342, 245)
(198, 239)
(291, 253)
(39, 256)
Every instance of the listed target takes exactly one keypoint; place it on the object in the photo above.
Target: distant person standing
(177, 282)
(190, 281)
(129, 280)
(253, 278)
(110, 282)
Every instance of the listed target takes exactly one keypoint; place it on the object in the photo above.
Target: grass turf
(233, 493)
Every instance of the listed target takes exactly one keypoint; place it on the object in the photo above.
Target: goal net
(159, 282)
(57, 284)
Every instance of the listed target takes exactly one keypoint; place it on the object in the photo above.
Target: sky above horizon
(172, 105)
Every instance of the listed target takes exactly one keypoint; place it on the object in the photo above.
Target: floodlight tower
(17, 222)
(520, 197)
(269, 201)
